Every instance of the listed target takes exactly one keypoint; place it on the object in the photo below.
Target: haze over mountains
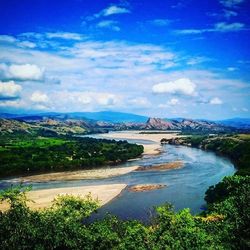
(82, 122)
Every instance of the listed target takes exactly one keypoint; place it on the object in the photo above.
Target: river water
(185, 187)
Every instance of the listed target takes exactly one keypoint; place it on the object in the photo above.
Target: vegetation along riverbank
(26, 154)
(224, 224)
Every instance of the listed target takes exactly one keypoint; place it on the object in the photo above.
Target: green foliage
(75, 206)
(226, 188)
(231, 199)
(15, 196)
(34, 154)
(61, 227)
(180, 231)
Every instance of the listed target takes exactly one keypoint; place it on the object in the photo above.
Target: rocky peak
(158, 123)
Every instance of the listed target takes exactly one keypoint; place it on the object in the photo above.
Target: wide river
(185, 187)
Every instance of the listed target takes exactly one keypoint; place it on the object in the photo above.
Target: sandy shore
(43, 198)
(77, 175)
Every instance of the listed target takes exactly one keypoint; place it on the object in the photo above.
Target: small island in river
(162, 167)
(146, 187)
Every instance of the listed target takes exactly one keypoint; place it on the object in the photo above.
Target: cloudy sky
(164, 58)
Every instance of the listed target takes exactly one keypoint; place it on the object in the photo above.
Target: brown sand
(43, 198)
(77, 175)
(163, 167)
(145, 187)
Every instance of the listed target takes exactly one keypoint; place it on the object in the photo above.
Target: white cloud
(121, 69)
(27, 44)
(218, 27)
(113, 25)
(215, 101)
(114, 10)
(181, 86)
(111, 10)
(21, 72)
(229, 13)
(198, 60)
(106, 99)
(12, 104)
(40, 107)
(140, 102)
(39, 97)
(173, 102)
(231, 3)
(231, 69)
(84, 100)
(7, 39)
(64, 35)
(245, 109)
(226, 27)
(9, 90)
(160, 22)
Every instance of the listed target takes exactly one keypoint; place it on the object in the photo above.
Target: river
(185, 187)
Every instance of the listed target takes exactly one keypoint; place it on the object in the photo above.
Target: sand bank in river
(43, 198)
(145, 187)
(162, 167)
(77, 175)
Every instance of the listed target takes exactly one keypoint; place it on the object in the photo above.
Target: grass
(244, 136)
(41, 142)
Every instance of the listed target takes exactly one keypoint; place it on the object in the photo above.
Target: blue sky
(185, 58)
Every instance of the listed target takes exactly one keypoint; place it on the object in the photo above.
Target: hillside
(46, 127)
(62, 125)
(243, 123)
(108, 120)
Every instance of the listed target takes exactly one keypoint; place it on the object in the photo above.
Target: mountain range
(82, 122)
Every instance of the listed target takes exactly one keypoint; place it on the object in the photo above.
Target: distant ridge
(120, 120)
(106, 116)
(243, 123)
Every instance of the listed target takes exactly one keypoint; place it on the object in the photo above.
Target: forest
(32, 154)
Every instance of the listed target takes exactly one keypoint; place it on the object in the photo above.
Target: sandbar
(145, 187)
(43, 198)
(162, 167)
(100, 173)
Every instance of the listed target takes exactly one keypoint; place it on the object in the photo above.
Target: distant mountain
(184, 124)
(110, 116)
(241, 123)
(108, 120)
(105, 116)
(47, 127)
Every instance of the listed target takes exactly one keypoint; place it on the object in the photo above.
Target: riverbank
(76, 175)
(43, 198)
